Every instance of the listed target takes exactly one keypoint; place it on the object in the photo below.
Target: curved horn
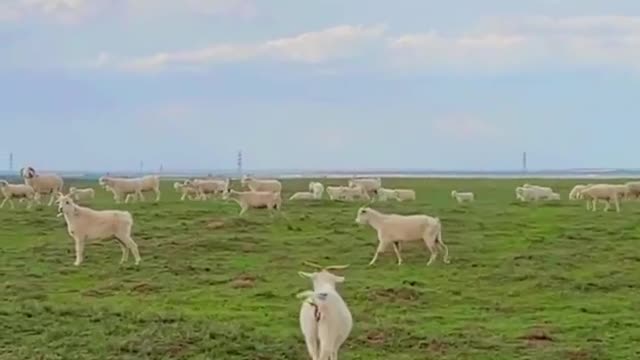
(313, 265)
(336, 267)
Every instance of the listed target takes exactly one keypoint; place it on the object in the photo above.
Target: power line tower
(524, 162)
(11, 162)
(141, 166)
(239, 163)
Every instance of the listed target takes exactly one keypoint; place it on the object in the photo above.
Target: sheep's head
(72, 189)
(453, 193)
(177, 185)
(65, 203)
(323, 276)
(363, 216)
(226, 195)
(104, 181)
(28, 172)
(4, 183)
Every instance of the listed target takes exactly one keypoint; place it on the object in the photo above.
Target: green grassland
(526, 281)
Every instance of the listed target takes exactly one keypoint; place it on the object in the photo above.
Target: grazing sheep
(394, 229)
(85, 224)
(43, 184)
(17, 191)
(347, 193)
(386, 194)
(207, 187)
(535, 194)
(575, 193)
(79, 194)
(633, 189)
(317, 189)
(262, 185)
(369, 185)
(131, 186)
(325, 319)
(254, 200)
(405, 194)
(303, 195)
(463, 196)
(603, 192)
(554, 196)
(187, 190)
(542, 188)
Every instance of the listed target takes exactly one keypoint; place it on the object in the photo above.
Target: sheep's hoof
(76, 264)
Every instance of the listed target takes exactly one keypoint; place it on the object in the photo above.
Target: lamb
(369, 185)
(187, 190)
(394, 229)
(85, 225)
(303, 195)
(209, 186)
(603, 192)
(463, 196)
(17, 191)
(131, 186)
(262, 185)
(317, 189)
(43, 184)
(79, 194)
(325, 319)
(254, 199)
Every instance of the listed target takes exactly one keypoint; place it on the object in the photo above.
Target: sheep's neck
(375, 220)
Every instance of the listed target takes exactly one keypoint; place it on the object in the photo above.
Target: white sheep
(463, 196)
(186, 190)
(207, 187)
(131, 186)
(325, 319)
(303, 195)
(535, 193)
(370, 185)
(79, 194)
(85, 225)
(262, 184)
(405, 194)
(254, 200)
(394, 229)
(43, 184)
(386, 194)
(633, 189)
(602, 192)
(317, 189)
(17, 191)
(575, 193)
(542, 188)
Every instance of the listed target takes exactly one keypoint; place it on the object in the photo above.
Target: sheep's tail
(441, 242)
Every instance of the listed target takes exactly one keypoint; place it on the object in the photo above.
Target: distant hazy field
(526, 281)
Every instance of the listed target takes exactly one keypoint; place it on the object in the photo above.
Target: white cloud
(312, 47)
(62, 11)
(525, 42)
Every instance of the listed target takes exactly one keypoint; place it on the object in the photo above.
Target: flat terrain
(526, 281)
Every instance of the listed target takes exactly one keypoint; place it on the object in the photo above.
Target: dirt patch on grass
(215, 224)
(579, 355)
(434, 346)
(538, 337)
(395, 294)
(375, 337)
(143, 288)
(244, 282)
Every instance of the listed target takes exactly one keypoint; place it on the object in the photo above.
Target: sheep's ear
(305, 275)
(339, 279)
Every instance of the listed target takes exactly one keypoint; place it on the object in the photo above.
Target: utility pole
(11, 162)
(141, 166)
(239, 163)
(524, 162)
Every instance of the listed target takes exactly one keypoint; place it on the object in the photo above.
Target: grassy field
(526, 281)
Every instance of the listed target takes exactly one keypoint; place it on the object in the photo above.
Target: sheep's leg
(617, 204)
(243, 210)
(594, 204)
(381, 247)
(433, 248)
(79, 251)
(334, 356)
(140, 196)
(312, 347)
(52, 199)
(157, 191)
(184, 195)
(607, 205)
(3, 202)
(12, 204)
(131, 245)
(125, 252)
(396, 248)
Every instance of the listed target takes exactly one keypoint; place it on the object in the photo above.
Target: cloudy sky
(458, 84)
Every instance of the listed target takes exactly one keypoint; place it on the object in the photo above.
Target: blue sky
(461, 84)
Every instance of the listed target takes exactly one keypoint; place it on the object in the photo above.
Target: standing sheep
(254, 200)
(325, 319)
(394, 229)
(603, 192)
(85, 224)
(463, 196)
(42, 184)
(262, 185)
(17, 191)
(369, 185)
(79, 194)
(131, 186)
